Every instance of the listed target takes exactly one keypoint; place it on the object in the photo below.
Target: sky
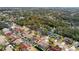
(39, 3)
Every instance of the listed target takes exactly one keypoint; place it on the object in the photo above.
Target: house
(72, 48)
(25, 28)
(6, 31)
(56, 48)
(18, 41)
(24, 46)
(9, 48)
(13, 26)
(76, 44)
(68, 40)
(2, 40)
(32, 48)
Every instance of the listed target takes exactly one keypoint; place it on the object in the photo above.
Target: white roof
(9, 48)
(5, 30)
